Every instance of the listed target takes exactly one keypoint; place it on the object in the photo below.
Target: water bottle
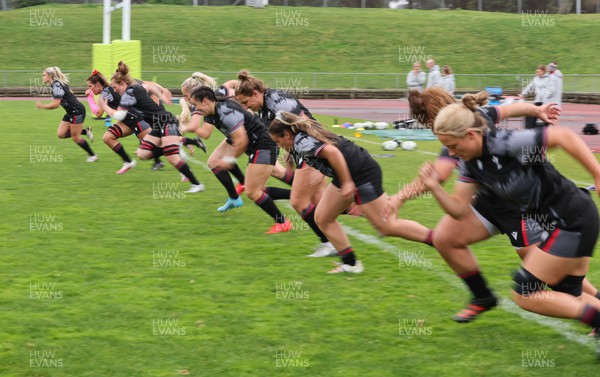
(107, 122)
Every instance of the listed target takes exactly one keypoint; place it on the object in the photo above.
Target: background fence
(301, 82)
(507, 6)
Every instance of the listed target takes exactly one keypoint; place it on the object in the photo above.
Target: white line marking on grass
(563, 328)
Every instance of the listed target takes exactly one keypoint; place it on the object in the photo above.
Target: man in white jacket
(434, 78)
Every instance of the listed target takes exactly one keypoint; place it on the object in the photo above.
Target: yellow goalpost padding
(105, 57)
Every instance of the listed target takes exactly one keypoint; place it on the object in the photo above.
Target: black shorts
(498, 217)
(135, 123)
(368, 180)
(138, 127)
(167, 129)
(74, 118)
(578, 237)
(263, 156)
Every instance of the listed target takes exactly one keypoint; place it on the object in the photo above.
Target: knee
(571, 285)
(443, 240)
(526, 283)
(61, 136)
(299, 204)
(76, 139)
(253, 194)
(384, 230)
(322, 220)
(143, 154)
(108, 138)
(173, 159)
(211, 162)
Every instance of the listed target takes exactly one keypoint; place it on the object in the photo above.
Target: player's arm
(239, 141)
(576, 147)
(548, 112)
(204, 129)
(49, 106)
(457, 205)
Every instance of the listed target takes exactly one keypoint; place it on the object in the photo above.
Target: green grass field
(101, 278)
(291, 39)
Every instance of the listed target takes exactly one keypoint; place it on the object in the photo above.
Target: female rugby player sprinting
(164, 125)
(194, 121)
(513, 166)
(246, 133)
(72, 122)
(98, 85)
(308, 184)
(488, 216)
(356, 177)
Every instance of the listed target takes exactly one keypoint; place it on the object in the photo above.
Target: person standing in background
(448, 80)
(416, 78)
(540, 85)
(434, 78)
(556, 76)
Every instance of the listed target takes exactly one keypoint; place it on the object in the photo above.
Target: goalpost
(106, 55)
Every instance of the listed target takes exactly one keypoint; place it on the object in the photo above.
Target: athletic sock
(84, 131)
(85, 146)
(476, 283)
(348, 256)
(187, 141)
(268, 205)
(590, 316)
(288, 177)
(185, 170)
(237, 173)
(597, 295)
(118, 149)
(225, 179)
(277, 193)
(308, 215)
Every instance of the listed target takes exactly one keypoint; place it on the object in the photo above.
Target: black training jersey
(230, 116)
(137, 102)
(221, 91)
(112, 98)
(67, 99)
(309, 148)
(274, 101)
(514, 166)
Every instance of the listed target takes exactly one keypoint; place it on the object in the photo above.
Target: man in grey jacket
(434, 78)
(415, 78)
(556, 78)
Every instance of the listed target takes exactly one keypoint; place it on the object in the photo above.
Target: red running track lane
(574, 116)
